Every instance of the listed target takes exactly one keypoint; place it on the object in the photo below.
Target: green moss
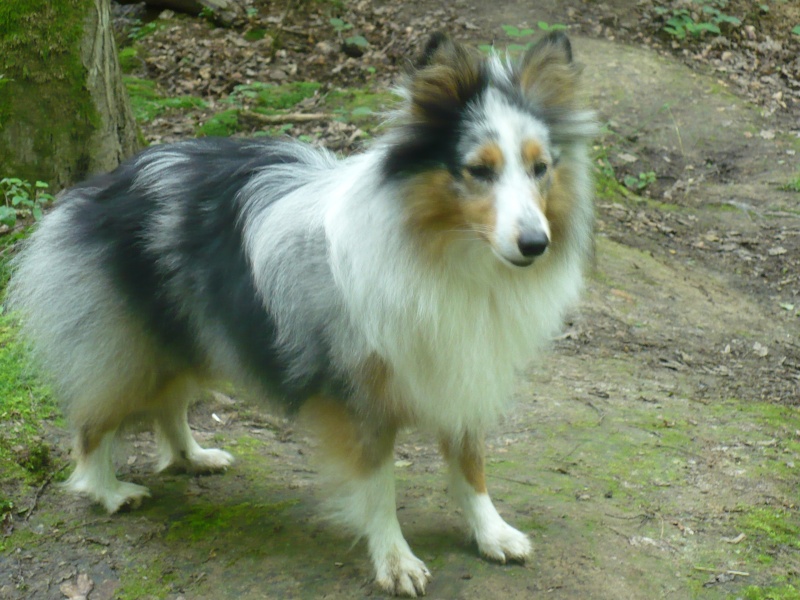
(783, 592)
(256, 34)
(45, 100)
(204, 521)
(221, 124)
(148, 103)
(271, 96)
(140, 582)
(129, 59)
(358, 105)
(793, 185)
(777, 527)
(25, 404)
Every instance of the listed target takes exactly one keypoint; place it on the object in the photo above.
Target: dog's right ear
(438, 43)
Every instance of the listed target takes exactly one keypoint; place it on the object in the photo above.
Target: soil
(652, 454)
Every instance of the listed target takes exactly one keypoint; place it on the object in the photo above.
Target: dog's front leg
(496, 539)
(359, 464)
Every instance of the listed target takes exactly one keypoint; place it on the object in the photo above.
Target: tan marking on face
(435, 210)
(345, 439)
(559, 205)
(531, 153)
(470, 456)
(490, 155)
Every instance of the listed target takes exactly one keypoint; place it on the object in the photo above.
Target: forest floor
(653, 454)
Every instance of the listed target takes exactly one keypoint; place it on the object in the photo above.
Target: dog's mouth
(525, 262)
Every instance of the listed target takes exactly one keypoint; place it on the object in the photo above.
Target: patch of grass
(148, 103)
(221, 124)
(792, 186)
(783, 592)
(145, 582)
(272, 96)
(772, 526)
(25, 404)
(358, 105)
(129, 59)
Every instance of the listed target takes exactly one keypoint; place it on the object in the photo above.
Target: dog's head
(482, 143)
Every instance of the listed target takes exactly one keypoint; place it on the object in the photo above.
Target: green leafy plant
(357, 40)
(796, 30)
(512, 31)
(792, 186)
(140, 30)
(682, 21)
(544, 26)
(339, 25)
(641, 182)
(21, 199)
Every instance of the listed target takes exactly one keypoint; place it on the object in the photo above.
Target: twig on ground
(285, 118)
(725, 571)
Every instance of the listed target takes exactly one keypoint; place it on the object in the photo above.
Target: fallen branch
(726, 571)
(285, 118)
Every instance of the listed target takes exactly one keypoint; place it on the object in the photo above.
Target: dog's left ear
(447, 76)
(547, 73)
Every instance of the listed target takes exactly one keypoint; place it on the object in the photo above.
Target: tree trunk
(64, 112)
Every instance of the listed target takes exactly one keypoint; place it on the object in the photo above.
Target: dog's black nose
(532, 243)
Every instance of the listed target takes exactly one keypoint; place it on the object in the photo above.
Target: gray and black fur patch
(168, 225)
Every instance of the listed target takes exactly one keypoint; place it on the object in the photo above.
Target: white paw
(211, 460)
(502, 543)
(402, 574)
(112, 495)
(128, 495)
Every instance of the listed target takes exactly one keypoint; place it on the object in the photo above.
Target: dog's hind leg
(496, 539)
(359, 462)
(94, 472)
(177, 447)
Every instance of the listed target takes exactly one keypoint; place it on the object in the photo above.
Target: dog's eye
(481, 172)
(539, 169)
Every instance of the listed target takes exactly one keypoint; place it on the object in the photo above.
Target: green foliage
(544, 26)
(148, 103)
(682, 21)
(792, 186)
(774, 526)
(21, 199)
(512, 31)
(340, 25)
(222, 124)
(357, 40)
(140, 30)
(639, 183)
(25, 404)
(255, 34)
(796, 30)
(784, 592)
(276, 97)
(129, 59)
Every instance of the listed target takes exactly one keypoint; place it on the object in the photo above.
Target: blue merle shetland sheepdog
(400, 287)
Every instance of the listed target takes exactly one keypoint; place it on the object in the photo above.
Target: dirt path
(653, 455)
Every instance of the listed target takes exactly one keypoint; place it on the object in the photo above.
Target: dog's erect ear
(547, 74)
(438, 42)
(448, 75)
(556, 42)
